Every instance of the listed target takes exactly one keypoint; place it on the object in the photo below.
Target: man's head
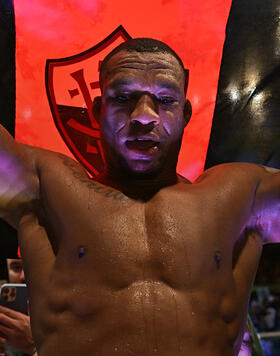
(15, 270)
(142, 110)
(142, 45)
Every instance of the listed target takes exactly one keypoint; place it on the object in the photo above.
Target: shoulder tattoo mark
(95, 186)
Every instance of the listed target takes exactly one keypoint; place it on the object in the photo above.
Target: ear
(96, 108)
(187, 112)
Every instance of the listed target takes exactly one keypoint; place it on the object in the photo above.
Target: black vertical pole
(8, 236)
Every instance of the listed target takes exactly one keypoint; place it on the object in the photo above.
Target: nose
(145, 111)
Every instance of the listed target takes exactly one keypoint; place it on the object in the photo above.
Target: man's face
(142, 111)
(15, 271)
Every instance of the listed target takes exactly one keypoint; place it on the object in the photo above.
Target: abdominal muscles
(145, 318)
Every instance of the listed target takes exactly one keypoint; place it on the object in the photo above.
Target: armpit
(267, 224)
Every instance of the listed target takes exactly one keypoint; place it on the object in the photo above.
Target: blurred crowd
(265, 310)
(15, 330)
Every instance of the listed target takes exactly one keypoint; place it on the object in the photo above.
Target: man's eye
(122, 98)
(166, 100)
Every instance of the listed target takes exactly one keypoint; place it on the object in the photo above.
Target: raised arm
(19, 181)
(266, 211)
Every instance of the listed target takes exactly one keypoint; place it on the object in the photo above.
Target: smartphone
(14, 296)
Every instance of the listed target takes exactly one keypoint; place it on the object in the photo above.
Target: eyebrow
(166, 84)
(162, 84)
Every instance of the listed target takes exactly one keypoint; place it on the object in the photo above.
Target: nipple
(218, 258)
(82, 251)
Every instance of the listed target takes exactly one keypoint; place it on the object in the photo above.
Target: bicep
(18, 178)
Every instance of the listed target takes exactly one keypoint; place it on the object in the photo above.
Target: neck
(136, 187)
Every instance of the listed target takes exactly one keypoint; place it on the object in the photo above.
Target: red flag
(48, 30)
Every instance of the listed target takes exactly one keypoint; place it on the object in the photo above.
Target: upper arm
(266, 212)
(19, 181)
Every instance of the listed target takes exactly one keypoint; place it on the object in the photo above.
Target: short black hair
(143, 45)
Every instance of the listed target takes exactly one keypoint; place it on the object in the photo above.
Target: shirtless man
(140, 262)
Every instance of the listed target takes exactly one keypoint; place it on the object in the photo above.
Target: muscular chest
(171, 238)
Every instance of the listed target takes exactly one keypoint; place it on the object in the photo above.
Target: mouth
(142, 145)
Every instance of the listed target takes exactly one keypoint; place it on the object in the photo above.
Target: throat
(137, 188)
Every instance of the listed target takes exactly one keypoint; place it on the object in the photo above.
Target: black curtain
(246, 123)
(8, 236)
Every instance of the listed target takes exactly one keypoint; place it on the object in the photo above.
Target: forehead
(144, 68)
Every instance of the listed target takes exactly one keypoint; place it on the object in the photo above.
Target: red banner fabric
(47, 29)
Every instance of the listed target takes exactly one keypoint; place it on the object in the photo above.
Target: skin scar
(218, 258)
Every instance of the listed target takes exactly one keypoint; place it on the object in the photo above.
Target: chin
(142, 170)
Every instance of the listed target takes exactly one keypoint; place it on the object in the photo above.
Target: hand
(15, 330)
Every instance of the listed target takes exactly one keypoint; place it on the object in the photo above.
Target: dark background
(8, 236)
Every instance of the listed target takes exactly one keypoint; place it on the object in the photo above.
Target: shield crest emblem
(71, 85)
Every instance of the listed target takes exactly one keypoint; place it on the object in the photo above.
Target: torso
(170, 276)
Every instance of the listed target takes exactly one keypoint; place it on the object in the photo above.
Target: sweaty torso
(109, 275)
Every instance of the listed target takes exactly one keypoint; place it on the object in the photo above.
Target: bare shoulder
(246, 182)
(235, 171)
(49, 161)
(61, 175)
(23, 169)
(269, 185)
(265, 212)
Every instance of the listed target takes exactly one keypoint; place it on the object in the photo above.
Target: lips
(142, 145)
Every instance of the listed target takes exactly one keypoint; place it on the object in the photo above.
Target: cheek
(113, 122)
(173, 124)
